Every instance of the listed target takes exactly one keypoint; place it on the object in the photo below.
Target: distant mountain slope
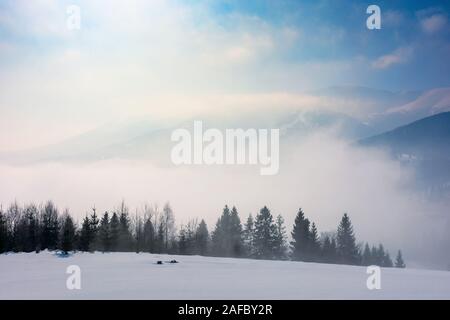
(92, 145)
(381, 100)
(376, 111)
(425, 145)
(300, 124)
(428, 103)
(426, 134)
(150, 140)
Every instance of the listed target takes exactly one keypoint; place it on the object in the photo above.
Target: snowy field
(137, 276)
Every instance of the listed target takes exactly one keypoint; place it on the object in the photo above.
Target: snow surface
(137, 276)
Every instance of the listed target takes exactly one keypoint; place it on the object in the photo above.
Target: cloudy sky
(175, 58)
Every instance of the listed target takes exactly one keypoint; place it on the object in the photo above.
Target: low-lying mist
(323, 175)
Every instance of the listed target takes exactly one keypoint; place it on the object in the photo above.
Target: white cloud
(393, 18)
(138, 57)
(433, 23)
(399, 56)
(41, 19)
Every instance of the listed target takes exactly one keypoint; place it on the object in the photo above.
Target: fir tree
(236, 244)
(387, 261)
(114, 228)
(346, 243)
(328, 250)
(190, 237)
(125, 237)
(202, 238)
(182, 241)
(221, 244)
(314, 244)
(94, 226)
(333, 250)
(30, 229)
(160, 247)
(138, 234)
(49, 226)
(380, 256)
(300, 237)
(248, 236)
(280, 247)
(104, 233)
(375, 259)
(399, 263)
(85, 235)
(265, 233)
(366, 256)
(149, 236)
(67, 234)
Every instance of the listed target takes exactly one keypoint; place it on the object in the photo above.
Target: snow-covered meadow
(137, 276)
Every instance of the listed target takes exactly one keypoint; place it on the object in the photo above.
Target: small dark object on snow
(159, 262)
(62, 254)
(173, 261)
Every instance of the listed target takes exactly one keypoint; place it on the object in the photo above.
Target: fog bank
(321, 174)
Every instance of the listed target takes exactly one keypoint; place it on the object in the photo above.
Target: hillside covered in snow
(138, 276)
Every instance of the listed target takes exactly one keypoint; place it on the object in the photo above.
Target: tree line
(35, 228)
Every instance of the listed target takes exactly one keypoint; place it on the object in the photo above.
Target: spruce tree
(138, 234)
(236, 244)
(366, 256)
(85, 235)
(114, 228)
(375, 259)
(314, 244)
(333, 251)
(265, 233)
(399, 263)
(248, 236)
(149, 236)
(379, 255)
(387, 261)
(104, 233)
(125, 237)
(220, 237)
(94, 226)
(182, 241)
(160, 247)
(190, 237)
(328, 251)
(30, 228)
(227, 238)
(49, 226)
(280, 246)
(202, 239)
(300, 237)
(67, 234)
(346, 242)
